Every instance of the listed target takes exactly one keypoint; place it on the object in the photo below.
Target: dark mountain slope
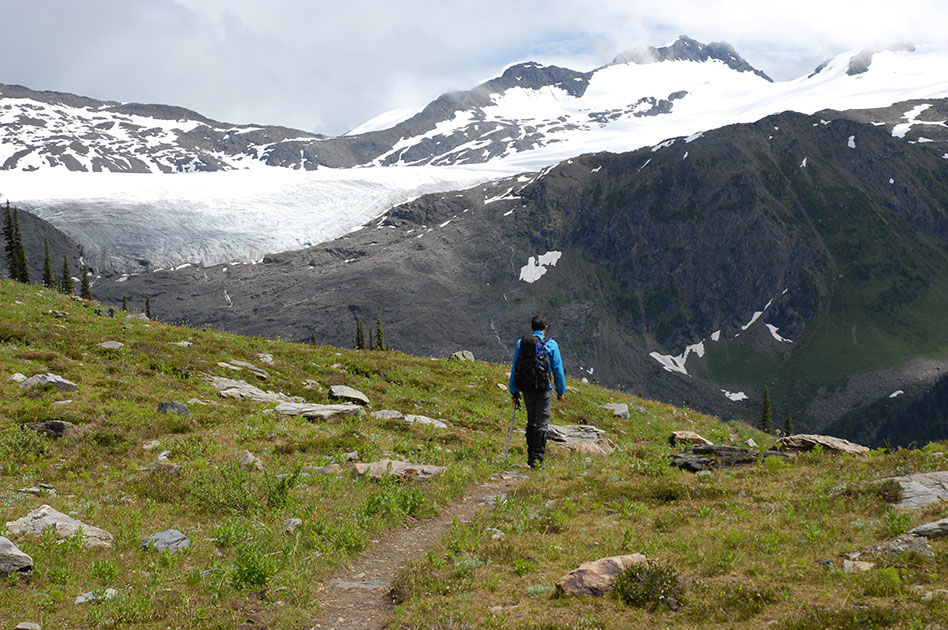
(833, 233)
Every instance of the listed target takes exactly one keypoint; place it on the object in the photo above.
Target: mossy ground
(747, 542)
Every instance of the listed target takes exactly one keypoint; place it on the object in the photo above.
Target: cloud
(328, 66)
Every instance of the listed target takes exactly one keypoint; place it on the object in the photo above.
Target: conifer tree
(371, 344)
(788, 426)
(48, 281)
(360, 335)
(148, 308)
(312, 338)
(85, 291)
(379, 336)
(124, 304)
(766, 421)
(8, 242)
(65, 282)
(23, 270)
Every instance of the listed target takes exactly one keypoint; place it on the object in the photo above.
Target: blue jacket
(556, 365)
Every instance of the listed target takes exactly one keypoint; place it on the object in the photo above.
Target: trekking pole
(510, 432)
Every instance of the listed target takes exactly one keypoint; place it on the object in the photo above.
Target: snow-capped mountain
(530, 117)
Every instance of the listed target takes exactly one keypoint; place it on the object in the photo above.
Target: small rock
(419, 472)
(415, 419)
(97, 596)
(111, 345)
(170, 539)
(65, 526)
(163, 456)
(310, 384)
(173, 407)
(28, 625)
(12, 560)
(169, 469)
(151, 445)
(182, 344)
(388, 414)
(136, 317)
(687, 437)
(938, 454)
(495, 534)
(344, 392)
(290, 524)
(331, 469)
(17, 378)
(50, 380)
(263, 357)
(462, 355)
(198, 401)
(703, 457)
(938, 529)
(619, 410)
(749, 442)
(314, 412)
(250, 367)
(230, 388)
(901, 544)
(58, 314)
(38, 491)
(53, 428)
(856, 566)
(597, 577)
(352, 456)
(808, 441)
(250, 461)
(60, 403)
(936, 594)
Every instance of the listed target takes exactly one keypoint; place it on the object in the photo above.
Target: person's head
(538, 322)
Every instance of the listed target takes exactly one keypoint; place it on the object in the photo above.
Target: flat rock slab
(808, 441)
(856, 566)
(922, 489)
(53, 428)
(388, 414)
(49, 380)
(28, 625)
(314, 412)
(250, 367)
(574, 433)
(12, 560)
(597, 577)
(938, 529)
(16, 377)
(619, 410)
(170, 539)
(97, 596)
(344, 392)
(901, 544)
(230, 388)
(44, 517)
(416, 419)
(687, 437)
(419, 472)
(705, 457)
(111, 345)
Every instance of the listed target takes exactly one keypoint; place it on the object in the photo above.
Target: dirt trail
(358, 598)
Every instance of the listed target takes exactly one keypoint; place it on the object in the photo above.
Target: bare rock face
(597, 577)
(708, 456)
(921, 489)
(808, 441)
(230, 388)
(419, 472)
(49, 380)
(344, 392)
(579, 438)
(314, 412)
(65, 526)
(687, 437)
(12, 560)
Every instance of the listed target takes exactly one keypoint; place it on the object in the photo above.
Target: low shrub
(652, 587)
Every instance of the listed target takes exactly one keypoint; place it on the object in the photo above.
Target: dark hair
(538, 322)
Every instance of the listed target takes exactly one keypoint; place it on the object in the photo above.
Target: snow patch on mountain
(676, 363)
(537, 266)
(735, 396)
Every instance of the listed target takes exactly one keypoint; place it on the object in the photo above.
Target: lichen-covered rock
(808, 441)
(49, 380)
(902, 544)
(597, 577)
(678, 438)
(922, 489)
(419, 472)
(462, 355)
(44, 517)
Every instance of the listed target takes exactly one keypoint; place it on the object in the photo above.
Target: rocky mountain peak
(687, 49)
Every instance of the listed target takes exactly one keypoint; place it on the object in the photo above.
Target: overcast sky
(327, 66)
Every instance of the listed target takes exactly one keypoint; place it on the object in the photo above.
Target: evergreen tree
(148, 308)
(8, 242)
(65, 282)
(766, 421)
(379, 336)
(788, 426)
(23, 270)
(124, 304)
(48, 281)
(85, 291)
(360, 335)
(312, 339)
(371, 344)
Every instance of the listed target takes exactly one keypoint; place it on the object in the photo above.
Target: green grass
(745, 543)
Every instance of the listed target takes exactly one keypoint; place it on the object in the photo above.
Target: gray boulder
(462, 355)
(344, 392)
(416, 419)
(45, 517)
(922, 489)
(170, 539)
(263, 357)
(53, 428)
(578, 438)
(902, 544)
(110, 345)
(291, 524)
(173, 407)
(678, 438)
(12, 560)
(314, 412)
(937, 529)
(419, 472)
(388, 414)
(619, 410)
(597, 577)
(49, 380)
(28, 625)
(808, 441)
(17, 377)
(97, 596)
(230, 388)
(250, 461)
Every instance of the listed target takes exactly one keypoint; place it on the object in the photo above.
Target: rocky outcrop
(230, 388)
(905, 543)
(462, 355)
(706, 457)
(807, 442)
(44, 517)
(579, 438)
(49, 380)
(937, 529)
(922, 489)
(314, 412)
(619, 410)
(678, 438)
(597, 577)
(419, 472)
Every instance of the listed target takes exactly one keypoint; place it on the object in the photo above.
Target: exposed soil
(358, 598)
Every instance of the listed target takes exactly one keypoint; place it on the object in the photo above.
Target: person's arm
(511, 386)
(559, 375)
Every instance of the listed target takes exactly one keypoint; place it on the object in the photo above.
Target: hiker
(535, 359)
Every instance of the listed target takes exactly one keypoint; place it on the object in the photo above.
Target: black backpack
(532, 371)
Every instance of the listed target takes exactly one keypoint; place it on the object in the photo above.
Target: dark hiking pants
(538, 418)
